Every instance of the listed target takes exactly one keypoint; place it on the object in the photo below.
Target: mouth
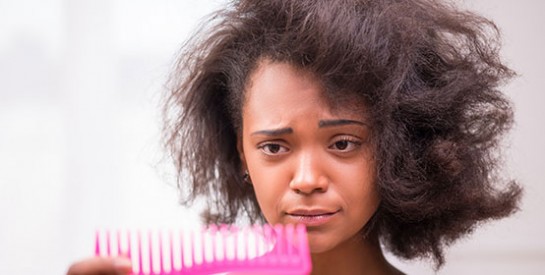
(312, 217)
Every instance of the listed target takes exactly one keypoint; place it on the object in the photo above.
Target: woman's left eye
(345, 145)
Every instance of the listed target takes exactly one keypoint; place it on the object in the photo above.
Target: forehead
(281, 85)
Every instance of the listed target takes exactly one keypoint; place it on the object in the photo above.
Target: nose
(309, 176)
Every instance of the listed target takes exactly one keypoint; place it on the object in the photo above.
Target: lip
(312, 217)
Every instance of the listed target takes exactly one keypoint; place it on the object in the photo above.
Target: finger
(101, 265)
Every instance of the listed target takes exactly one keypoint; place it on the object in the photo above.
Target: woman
(371, 122)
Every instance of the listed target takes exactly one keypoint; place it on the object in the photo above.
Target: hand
(101, 265)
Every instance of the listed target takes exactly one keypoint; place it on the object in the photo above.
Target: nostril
(309, 189)
(309, 177)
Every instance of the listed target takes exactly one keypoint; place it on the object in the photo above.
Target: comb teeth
(281, 249)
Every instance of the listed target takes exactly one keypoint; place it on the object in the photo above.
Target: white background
(80, 87)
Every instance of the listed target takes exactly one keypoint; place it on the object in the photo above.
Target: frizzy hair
(427, 73)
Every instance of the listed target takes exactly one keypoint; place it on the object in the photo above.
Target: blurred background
(80, 88)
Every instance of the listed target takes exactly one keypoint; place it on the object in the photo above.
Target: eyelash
(355, 143)
(263, 147)
(351, 141)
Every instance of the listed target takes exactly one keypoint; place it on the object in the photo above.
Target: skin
(311, 163)
(101, 265)
(308, 163)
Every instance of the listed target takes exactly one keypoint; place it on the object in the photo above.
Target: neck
(358, 255)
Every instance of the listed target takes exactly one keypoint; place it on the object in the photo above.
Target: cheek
(360, 191)
(365, 203)
(268, 195)
(269, 186)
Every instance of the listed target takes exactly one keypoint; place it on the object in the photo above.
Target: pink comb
(279, 249)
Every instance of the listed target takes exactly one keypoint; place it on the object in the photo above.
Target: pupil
(274, 148)
(341, 145)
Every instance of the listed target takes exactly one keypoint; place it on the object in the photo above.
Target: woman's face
(308, 164)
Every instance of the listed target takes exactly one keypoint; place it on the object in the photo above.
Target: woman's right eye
(272, 149)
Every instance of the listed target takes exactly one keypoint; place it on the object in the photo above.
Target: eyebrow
(339, 122)
(274, 132)
(321, 124)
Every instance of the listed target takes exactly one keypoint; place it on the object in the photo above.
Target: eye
(345, 144)
(272, 148)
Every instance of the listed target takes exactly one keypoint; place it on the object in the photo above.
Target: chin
(318, 244)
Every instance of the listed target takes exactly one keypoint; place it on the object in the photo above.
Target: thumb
(101, 265)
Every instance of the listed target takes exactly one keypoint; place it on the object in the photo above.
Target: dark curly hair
(427, 73)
